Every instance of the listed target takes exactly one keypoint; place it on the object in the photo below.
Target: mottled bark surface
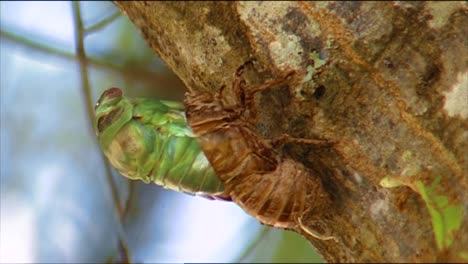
(386, 81)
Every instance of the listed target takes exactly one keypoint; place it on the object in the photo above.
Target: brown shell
(275, 190)
(280, 197)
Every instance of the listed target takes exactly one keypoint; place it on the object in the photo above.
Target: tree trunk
(386, 81)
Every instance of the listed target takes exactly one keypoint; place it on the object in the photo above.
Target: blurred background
(58, 203)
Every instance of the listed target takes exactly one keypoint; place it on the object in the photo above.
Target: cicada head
(112, 112)
(126, 143)
(110, 97)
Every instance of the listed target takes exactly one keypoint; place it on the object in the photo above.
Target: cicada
(150, 140)
(273, 188)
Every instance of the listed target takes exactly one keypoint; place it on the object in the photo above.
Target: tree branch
(381, 79)
(86, 89)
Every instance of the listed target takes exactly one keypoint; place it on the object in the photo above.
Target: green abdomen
(180, 165)
(156, 145)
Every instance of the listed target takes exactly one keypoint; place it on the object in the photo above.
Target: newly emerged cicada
(150, 140)
(275, 189)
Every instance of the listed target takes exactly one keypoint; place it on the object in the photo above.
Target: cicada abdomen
(150, 140)
(276, 190)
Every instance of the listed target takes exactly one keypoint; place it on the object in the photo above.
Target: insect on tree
(150, 140)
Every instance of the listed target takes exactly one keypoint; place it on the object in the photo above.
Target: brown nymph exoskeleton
(276, 190)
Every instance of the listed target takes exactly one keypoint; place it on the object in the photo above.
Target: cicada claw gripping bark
(275, 189)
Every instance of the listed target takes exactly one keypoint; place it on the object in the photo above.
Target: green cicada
(150, 140)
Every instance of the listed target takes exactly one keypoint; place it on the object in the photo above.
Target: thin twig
(21, 40)
(86, 89)
(253, 245)
(131, 197)
(104, 22)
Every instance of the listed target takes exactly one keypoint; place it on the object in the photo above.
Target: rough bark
(387, 81)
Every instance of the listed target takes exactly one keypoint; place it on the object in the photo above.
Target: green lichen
(464, 255)
(315, 57)
(309, 85)
(388, 182)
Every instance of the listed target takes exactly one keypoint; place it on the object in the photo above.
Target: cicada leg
(244, 98)
(313, 233)
(245, 101)
(285, 138)
(249, 97)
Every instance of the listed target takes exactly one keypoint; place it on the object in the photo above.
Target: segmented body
(150, 140)
(276, 190)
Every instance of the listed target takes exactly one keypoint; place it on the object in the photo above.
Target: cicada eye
(112, 93)
(108, 96)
